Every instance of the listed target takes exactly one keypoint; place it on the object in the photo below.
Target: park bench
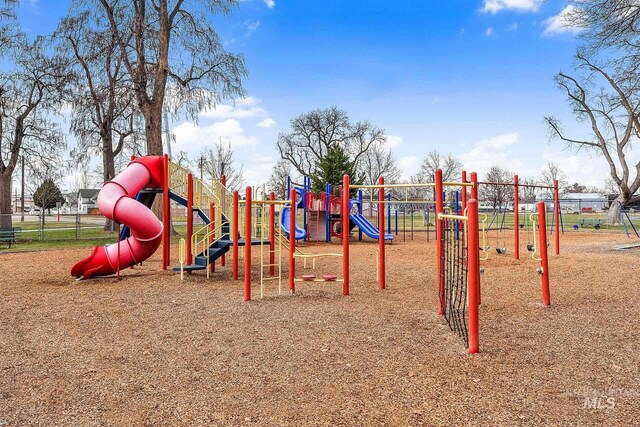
(591, 222)
(9, 236)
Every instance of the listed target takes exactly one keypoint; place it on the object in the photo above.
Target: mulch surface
(151, 350)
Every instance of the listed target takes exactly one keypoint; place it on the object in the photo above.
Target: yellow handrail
(485, 251)
(532, 218)
(182, 257)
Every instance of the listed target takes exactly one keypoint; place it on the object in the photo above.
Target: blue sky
(472, 77)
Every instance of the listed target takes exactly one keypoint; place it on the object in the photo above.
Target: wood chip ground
(151, 350)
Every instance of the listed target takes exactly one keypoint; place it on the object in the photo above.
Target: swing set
(555, 220)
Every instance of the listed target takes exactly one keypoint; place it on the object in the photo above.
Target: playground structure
(231, 222)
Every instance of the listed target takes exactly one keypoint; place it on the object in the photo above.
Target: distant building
(87, 200)
(17, 203)
(584, 202)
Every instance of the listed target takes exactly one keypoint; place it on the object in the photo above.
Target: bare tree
(218, 162)
(314, 133)
(278, 179)
(30, 86)
(103, 106)
(172, 54)
(551, 173)
(613, 117)
(527, 194)
(450, 165)
(497, 195)
(379, 162)
(603, 91)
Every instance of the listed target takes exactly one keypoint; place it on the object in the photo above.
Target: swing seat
(308, 277)
(329, 277)
(501, 251)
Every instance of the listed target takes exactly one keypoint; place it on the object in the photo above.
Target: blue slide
(301, 234)
(364, 225)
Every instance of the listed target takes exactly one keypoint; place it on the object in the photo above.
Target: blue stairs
(182, 201)
(216, 250)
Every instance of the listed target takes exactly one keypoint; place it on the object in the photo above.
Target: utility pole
(22, 194)
(202, 168)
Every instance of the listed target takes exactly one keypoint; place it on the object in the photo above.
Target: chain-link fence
(54, 227)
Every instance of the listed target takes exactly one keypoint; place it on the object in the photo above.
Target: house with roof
(87, 201)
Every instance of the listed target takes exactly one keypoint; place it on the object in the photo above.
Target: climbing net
(454, 272)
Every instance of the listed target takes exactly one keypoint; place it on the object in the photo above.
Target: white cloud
(559, 24)
(512, 28)
(499, 141)
(393, 141)
(495, 6)
(266, 123)
(241, 109)
(437, 100)
(579, 167)
(257, 168)
(252, 26)
(493, 151)
(192, 138)
(270, 3)
(33, 3)
(409, 165)
(489, 32)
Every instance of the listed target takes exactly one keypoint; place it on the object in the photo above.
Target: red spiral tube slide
(116, 202)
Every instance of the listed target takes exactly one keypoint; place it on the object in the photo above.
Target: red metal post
(247, 244)
(516, 219)
(292, 242)
(189, 217)
(474, 195)
(234, 233)
(272, 235)
(544, 262)
(212, 226)
(439, 242)
(166, 215)
(381, 254)
(345, 235)
(223, 181)
(464, 192)
(556, 214)
(474, 275)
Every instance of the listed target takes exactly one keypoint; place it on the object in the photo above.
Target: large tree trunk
(109, 171)
(153, 128)
(5, 200)
(615, 210)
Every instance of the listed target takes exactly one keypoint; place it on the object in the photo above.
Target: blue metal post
(389, 212)
(305, 199)
(360, 212)
(396, 220)
(288, 186)
(327, 217)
